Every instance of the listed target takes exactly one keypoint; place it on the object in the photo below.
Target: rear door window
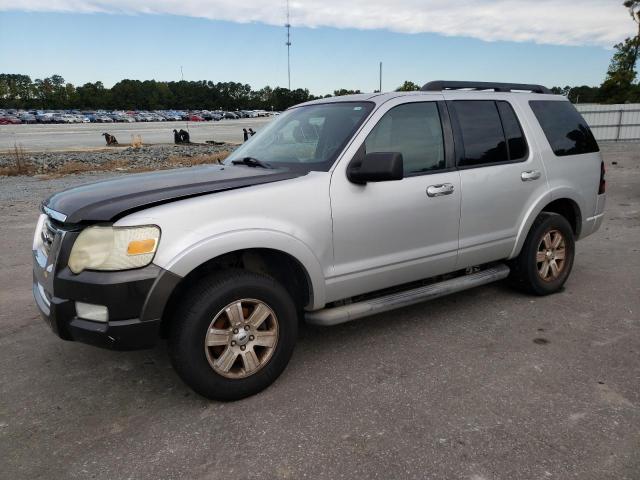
(490, 133)
(481, 132)
(565, 129)
(516, 143)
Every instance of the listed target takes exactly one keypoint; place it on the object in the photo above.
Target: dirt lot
(459, 388)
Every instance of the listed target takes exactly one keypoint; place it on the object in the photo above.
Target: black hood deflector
(108, 200)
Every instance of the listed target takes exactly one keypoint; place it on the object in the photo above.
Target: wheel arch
(570, 210)
(288, 269)
(566, 205)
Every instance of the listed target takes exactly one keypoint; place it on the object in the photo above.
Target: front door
(393, 232)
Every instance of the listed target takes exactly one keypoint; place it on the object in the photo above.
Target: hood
(109, 200)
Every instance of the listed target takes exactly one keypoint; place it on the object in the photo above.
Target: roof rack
(440, 85)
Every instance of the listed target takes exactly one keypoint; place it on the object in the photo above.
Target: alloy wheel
(551, 255)
(241, 338)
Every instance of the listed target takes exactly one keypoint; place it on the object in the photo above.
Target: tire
(528, 272)
(210, 313)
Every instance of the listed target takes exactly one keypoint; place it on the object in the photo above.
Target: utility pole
(288, 25)
(380, 77)
(189, 111)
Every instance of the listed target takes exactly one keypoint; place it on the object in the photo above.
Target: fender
(537, 207)
(216, 245)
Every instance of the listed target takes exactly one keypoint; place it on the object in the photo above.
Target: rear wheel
(546, 259)
(234, 335)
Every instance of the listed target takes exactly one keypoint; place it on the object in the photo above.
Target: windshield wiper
(251, 162)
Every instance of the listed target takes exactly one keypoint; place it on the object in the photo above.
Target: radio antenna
(288, 26)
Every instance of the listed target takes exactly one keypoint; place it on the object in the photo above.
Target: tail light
(603, 183)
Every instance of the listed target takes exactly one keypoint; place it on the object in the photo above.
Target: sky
(335, 43)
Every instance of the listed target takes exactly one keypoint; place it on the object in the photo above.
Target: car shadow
(148, 373)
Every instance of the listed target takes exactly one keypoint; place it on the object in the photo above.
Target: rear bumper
(592, 224)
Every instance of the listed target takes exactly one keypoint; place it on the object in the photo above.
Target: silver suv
(338, 209)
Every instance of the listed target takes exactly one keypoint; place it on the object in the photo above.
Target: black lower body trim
(116, 335)
(135, 302)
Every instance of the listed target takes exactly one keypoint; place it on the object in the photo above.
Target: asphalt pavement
(486, 384)
(52, 137)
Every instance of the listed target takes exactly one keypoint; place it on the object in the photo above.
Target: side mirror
(376, 167)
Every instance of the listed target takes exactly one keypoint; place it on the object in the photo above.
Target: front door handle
(530, 175)
(439, 190)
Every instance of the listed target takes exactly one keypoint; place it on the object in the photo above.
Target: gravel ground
(146, 157)
(487, 384)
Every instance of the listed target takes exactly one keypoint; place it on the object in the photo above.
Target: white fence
(612, 122)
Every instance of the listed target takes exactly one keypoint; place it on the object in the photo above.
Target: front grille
(48, 235)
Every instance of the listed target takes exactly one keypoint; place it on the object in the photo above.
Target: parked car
(9, 120)
(230, 115)
(172, 116)
(341, 208)
(27, 117)
(44, 118)
(195, 118)
(126, 118)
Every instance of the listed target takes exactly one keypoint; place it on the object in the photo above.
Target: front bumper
(135, 299)
(122, 297)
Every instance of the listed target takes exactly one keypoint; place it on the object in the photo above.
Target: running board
(353, 311)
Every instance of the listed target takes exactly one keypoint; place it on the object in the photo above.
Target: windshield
(308, 138)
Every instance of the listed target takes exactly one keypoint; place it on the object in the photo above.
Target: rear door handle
(530, 175)
(440, 190)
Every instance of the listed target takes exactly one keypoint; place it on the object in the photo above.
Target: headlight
(114, 248)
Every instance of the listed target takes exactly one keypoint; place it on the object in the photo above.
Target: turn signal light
(140, 247)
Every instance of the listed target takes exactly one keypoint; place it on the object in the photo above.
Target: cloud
(557, 22)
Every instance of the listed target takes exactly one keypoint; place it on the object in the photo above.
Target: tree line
(54, 93)
(20, 91)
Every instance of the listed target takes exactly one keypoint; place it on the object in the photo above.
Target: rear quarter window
(565, 129)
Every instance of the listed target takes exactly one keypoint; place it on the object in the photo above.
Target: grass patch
(121, 165)
(20, 164)
(214, 158)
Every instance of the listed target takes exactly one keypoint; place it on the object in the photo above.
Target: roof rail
(440, 85)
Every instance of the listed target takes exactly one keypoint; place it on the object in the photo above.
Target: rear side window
(482, 133)
(516, 143)
(490, 132)
(564, 127)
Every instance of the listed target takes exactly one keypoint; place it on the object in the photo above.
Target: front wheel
(546, 259)
(233, 335)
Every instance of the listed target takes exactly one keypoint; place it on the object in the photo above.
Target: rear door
(500, 176)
